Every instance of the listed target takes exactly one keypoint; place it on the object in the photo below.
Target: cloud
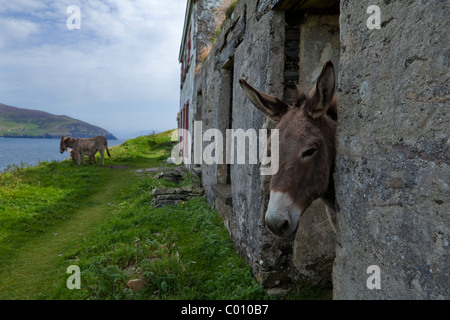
(122, 63)
(21, 6)
(16, 30)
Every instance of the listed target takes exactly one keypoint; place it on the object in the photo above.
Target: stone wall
(263, 46)
(392, 176)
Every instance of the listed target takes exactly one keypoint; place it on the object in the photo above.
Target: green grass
(230, 9)
(9, 127)
(103, 219)
(182, 252)
(35, 199)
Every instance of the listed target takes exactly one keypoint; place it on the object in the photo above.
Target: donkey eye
(309, 152)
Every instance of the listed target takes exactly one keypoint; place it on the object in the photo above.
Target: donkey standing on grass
(307, 146)
(83, 147)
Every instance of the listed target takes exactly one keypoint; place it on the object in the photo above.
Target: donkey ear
(271, 107)
(322, 94)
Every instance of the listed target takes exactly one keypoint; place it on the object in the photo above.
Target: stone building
(392, 142)
(200, 24)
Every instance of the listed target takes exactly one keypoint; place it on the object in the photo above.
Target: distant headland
(27, 123)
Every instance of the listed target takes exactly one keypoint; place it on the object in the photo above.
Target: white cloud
(16, 30)
(7, 6)
(123, 59)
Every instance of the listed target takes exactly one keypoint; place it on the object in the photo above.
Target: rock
(175, 176)
(279, 293)
(314, 247)
(136, 284)
(392, 167)
(167, 196)
(151, 171)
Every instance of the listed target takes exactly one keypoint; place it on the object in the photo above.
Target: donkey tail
(107, 150)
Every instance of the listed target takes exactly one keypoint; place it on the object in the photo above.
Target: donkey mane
(297, 98)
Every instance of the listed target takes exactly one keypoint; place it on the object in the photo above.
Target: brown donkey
(88, 147)
(307, 152)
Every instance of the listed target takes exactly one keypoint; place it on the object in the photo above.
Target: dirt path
(37, 267)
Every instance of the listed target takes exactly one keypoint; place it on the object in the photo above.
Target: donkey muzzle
(278, 224)
(282, 216)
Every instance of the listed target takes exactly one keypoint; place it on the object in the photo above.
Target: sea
(29, 152)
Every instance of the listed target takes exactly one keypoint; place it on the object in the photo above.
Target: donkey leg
(92, 159)
(102, 156)
(332, 217)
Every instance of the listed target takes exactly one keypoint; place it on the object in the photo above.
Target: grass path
(38, 265)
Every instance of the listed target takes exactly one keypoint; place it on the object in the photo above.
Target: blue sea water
(29, 152)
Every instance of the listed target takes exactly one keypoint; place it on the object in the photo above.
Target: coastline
(29, 152)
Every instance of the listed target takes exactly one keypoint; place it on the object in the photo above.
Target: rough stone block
(392, 168)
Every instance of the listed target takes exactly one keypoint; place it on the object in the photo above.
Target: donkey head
(307, 151)
(65, 143)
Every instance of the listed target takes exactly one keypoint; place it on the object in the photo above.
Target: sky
(119, 70)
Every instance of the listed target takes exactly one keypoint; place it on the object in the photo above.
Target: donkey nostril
(285, 226)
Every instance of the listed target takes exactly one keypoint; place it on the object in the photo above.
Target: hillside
(26, 123)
